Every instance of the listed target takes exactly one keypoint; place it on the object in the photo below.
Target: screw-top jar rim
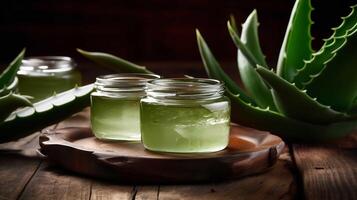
(124, 82)
(46, 64)
(185, 88)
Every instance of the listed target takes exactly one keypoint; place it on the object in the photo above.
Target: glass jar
(185, 116)
(41, 77)
(115, 106)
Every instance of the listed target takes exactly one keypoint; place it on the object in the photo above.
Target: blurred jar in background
(41, 77)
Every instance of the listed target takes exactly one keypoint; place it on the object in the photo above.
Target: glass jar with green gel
(41, 77)
(115, 106)
(185, 116)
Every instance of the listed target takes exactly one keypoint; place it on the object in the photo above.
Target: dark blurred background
(159, 33)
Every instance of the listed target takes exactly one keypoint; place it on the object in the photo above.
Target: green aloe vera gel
(185, 116)
(115, 106)
(41, 77)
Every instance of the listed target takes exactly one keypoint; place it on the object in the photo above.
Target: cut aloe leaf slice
(44, 113)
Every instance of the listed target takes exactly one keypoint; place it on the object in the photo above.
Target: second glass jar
(115, 106)
(185, 116)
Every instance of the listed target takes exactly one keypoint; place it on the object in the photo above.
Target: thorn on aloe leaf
(314, 75)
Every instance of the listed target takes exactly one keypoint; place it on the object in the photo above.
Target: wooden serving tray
(76, 149)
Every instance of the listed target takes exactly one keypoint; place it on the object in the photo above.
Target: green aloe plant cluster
(311, 97)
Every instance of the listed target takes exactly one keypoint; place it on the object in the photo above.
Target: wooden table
(306, 171)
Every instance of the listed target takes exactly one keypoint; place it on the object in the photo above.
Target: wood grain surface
(327, 172)
(50, 182)
(15, 173)
(278, 183)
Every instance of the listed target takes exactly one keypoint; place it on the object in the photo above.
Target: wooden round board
(76, 149)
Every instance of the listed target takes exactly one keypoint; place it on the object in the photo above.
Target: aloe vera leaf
(251, 80)
(11, 102)
(295, 103)
(328, 49)
(44, 113)
(296, 45)
(215, 71)
(253, 83)
(250, 39)
(287, 128)
(233, 23)
(12, 87)
(113, 62)
(239, 44)
(317, 63)
(9, 74)
(349, 22)
(336, 84)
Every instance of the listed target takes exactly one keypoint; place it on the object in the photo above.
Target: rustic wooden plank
(15, 173)
(278, 183)
(327, 172)
(146, 192)
(51, 183)
(102, 190)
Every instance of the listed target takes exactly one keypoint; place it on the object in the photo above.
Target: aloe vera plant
(8, 79)
(8, 83)
(314, 93)
(311, 97)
